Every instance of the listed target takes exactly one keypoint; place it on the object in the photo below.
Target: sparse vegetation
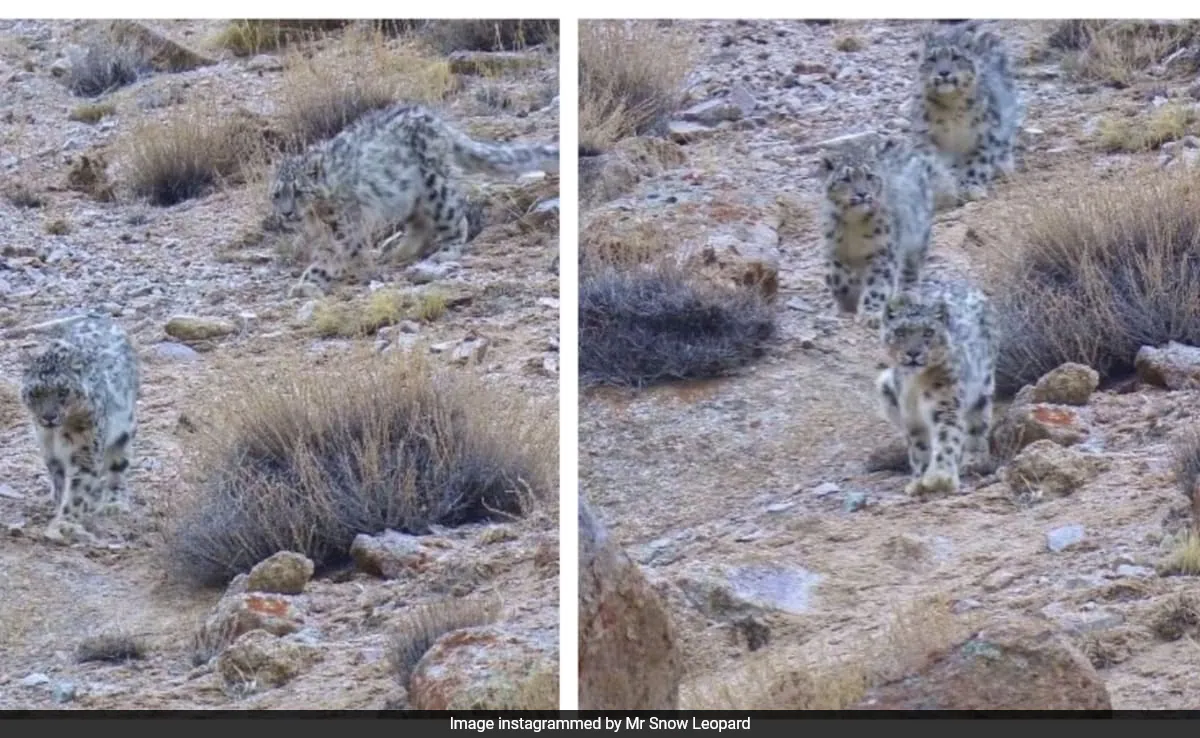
(631, 76)
(422, 626)
(1184, 559)
(1117, 52)
(89, 175)
(92, 112)
(115, 647)
(22, 196)
(1170, 122)
(250, 37)
(652, 324)
(383, 308)
(1177, 617)
(848, 44)
(1187, 475)
(319, 100)
(382, 442)
(1105, 269)
(57, 226)
(449, 36)
(191, 155)
(103, 67)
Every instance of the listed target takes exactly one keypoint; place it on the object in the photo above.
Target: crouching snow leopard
(966, 105)
(878, 215)
(81, 391)
(390, 166)
(941, 343)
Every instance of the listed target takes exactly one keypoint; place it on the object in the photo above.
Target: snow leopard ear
(895, 304)
(828, 163)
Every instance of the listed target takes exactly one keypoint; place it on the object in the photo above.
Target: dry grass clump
(1099, 272)
(1186, 459)
(1184, 559)
(92, 112)
(323, 95)
(22, 195)
(383, 308)
(424, 625)
(1118, 52)
(631, 76)
(105, 65)
(654, 323)
(305, 460)
(113, 647)
(250, 37)
(1170, 122)
(449, 36)
(1177, 617)
(911, 637)
(192, 154)
(849, 44)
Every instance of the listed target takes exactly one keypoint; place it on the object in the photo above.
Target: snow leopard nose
(50, 418)
(944, 73)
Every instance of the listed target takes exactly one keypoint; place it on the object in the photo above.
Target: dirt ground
(146, 264)
(746, 500)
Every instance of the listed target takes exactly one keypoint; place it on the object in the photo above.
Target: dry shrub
(89, 175)
(22, 195)
(449, 36)
(1170, 122)
(821, 680)
(631, 76)
(1177, 617)
(424, 625)
(304, 460)
(1097, 273)
(644, 320)
(849, 44)
(323, 95)
(105, 65)
(1184, 559)
(92, 112)
(114, 647)
(192, 154)
(250, 37)
(1117, 52)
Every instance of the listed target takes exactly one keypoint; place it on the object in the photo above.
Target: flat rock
(712, 112)
(191, 328)
(752, 589)
(1175, 366)
(628, 655)
(1065, 537)
(392, 555)
(684, 132)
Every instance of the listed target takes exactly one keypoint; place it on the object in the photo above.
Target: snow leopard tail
(22, 331)
(499, 158)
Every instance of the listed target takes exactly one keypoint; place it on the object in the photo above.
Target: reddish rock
(487, 668)
(1014, 663)
(628, 658)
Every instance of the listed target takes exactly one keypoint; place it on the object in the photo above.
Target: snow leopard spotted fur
(81, 393)
(877, 219)
(941, 342)
(390, 166)
(966, 105)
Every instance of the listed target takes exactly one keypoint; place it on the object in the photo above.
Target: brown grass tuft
(1184, 559)
(358, 319)
(92, 112)
(849, 44)
(1177, 617)
(1186, 459)
(1117, 52)
(423, 625)
(631, 76)
(22, 195)
(326, 93)
(305, 460)
(1170, 122)
(57, 226)
(1103, 270)
(116, 646)
(192, 154)
(826, 681)
(251, 37)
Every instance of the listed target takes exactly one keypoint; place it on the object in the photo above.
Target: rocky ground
(747, 501)
(205, 259)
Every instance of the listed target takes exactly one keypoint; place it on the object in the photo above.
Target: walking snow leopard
(391, 166)
(81, 393)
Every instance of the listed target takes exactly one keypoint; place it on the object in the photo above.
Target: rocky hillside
(133, 163)
(763, 507)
